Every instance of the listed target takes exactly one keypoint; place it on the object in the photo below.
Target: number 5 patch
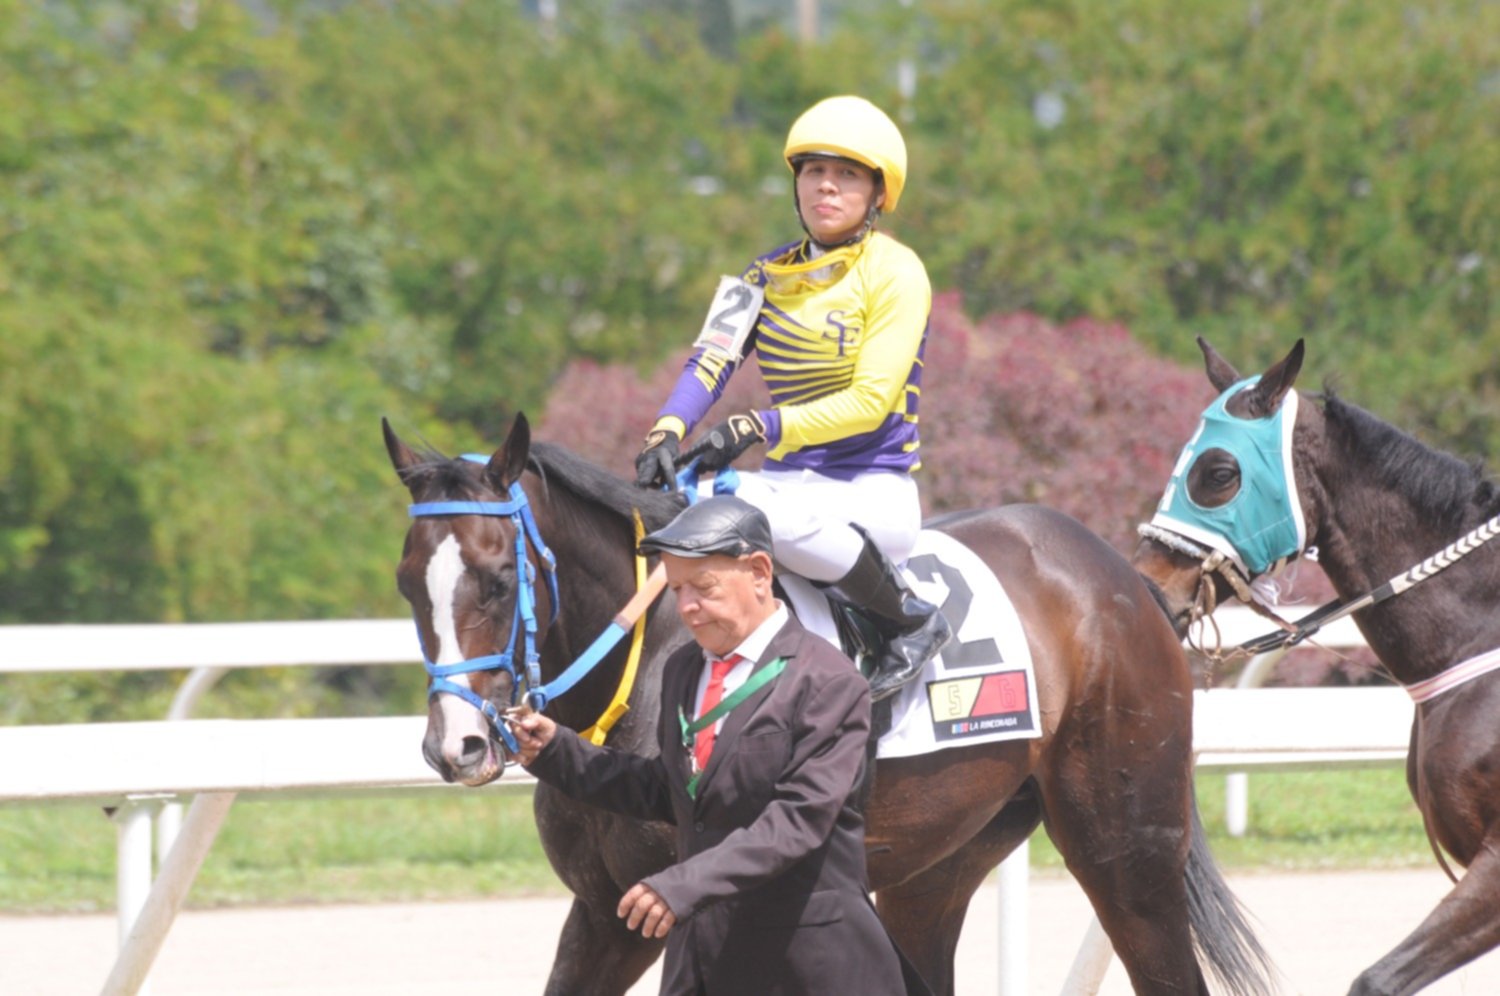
(731, 317)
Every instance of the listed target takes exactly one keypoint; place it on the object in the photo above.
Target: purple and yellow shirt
(840, 341)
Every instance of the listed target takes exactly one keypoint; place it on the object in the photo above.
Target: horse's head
(1232, 511)
(466, 570)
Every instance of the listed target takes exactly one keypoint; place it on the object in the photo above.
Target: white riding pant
(810, 516)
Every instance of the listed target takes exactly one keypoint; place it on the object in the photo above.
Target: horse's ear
(506, 466)
(1221, 373)
(1275, 382)
(403, 458)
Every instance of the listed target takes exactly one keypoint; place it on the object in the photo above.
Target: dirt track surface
(1322, 930)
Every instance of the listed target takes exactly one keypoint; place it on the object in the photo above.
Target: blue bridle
(518, 510)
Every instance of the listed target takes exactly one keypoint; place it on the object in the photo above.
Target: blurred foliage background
(233, 236)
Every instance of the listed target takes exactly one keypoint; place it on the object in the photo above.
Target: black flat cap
(721, 524)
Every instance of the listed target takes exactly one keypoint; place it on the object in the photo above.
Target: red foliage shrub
(1078, 417)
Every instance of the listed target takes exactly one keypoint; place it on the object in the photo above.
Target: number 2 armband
(731, 318)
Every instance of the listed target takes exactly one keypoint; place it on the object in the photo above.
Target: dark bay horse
(1110, 777)
(1377, 504)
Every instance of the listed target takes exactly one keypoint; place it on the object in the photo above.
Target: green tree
(231, 240)
(1252, 172)
(202, 329)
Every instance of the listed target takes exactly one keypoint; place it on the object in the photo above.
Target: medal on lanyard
(690, 730)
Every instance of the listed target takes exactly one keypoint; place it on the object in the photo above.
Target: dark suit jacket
(770, 886)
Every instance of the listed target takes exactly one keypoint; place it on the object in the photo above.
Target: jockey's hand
(642, 907)
(718, 447)
(656, 464)
(533, 731)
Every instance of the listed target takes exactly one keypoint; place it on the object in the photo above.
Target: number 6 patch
(731, 317)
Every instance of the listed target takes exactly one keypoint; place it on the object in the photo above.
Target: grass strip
(470, 845)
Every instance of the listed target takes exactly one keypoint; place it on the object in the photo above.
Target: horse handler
(763, 732)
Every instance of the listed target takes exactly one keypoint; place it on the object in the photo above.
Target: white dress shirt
(750, 650)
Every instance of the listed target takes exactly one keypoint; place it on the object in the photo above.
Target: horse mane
(595, 486)
(1443, 488)
(441, 476)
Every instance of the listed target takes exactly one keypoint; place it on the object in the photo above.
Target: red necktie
(703, 746)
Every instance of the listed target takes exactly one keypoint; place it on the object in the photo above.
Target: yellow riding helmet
(856, 129)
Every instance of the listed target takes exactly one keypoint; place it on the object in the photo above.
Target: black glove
(656, 464)
(727, 440)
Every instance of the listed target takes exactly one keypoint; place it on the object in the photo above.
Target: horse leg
(594, 852)
(1142, 905)
(1129, 854)
(925, 913)
(1462, 927)
(597, 956)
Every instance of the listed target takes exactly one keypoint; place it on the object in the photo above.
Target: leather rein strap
(1293, 633)
(1337, 609)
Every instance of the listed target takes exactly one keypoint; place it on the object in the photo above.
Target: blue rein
(518, 510)
(724, 483)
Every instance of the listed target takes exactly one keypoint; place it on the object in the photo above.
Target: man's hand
(533, 732)
(656, 464)
(642, 907)
(727, 440)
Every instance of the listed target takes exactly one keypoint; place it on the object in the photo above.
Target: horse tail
(1222, 934)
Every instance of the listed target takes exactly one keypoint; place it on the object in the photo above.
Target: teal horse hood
(1263, 523)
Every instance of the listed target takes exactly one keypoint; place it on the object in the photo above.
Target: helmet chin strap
(864, 230)
(871, 213)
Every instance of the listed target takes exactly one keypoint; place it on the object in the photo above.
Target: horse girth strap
(728, 704)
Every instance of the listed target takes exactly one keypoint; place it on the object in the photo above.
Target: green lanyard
(690, 731)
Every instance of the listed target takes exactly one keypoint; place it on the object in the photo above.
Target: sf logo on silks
(839, 331)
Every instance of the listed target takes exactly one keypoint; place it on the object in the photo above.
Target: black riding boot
(912, 629)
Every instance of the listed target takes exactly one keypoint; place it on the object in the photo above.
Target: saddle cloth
(981, 688)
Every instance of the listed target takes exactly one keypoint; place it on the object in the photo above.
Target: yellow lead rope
(620, 704)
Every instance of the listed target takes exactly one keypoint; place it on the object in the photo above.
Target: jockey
(838, 321)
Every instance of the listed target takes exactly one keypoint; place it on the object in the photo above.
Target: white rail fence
(144, 770)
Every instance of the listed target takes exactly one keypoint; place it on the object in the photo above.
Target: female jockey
(838, 321)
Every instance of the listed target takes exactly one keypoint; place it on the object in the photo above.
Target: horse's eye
(493, 588)
(1214, 479)
(495, 585)
(1222, 476)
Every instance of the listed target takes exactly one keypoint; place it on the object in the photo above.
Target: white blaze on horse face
(444, 570)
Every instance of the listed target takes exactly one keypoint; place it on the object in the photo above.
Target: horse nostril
(435, 761)
(473, 751)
